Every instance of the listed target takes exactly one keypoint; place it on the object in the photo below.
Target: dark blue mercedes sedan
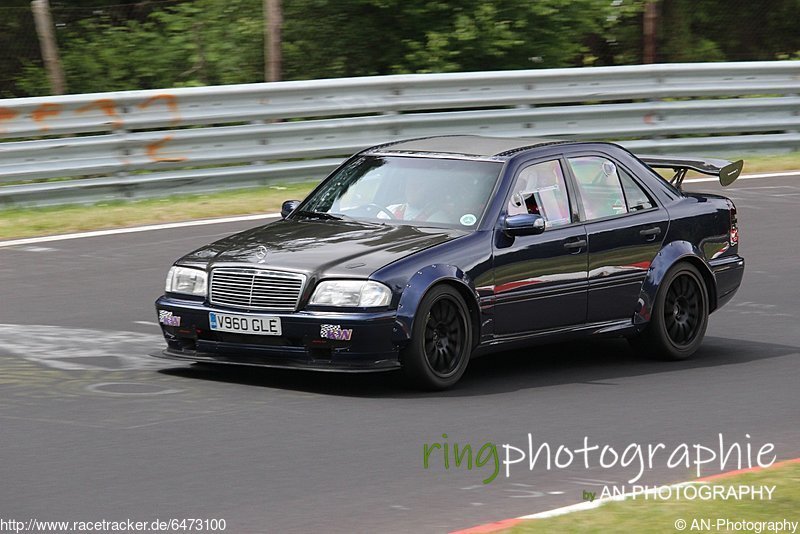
(418, 255)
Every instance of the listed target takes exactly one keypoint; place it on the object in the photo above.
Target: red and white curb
(497, 526)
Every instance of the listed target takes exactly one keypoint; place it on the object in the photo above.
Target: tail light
(734, 229)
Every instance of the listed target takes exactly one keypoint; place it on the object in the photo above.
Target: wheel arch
(420, 284)
(670, 255)
(708, 279)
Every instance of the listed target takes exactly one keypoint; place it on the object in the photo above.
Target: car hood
(320, 248)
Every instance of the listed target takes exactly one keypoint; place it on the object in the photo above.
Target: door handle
(571, 245)
(650, 233)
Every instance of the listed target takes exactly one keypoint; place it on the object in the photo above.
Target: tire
(441, 341)
(679, 317)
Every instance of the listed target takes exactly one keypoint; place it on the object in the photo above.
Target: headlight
(186, 280)
(351, 293)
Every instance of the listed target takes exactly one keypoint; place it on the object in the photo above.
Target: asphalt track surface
(93, 428)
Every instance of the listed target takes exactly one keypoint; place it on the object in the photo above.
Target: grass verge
(29, 222)
(646, 516)
(772, 163)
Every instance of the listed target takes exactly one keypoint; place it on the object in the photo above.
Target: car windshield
(417, 191)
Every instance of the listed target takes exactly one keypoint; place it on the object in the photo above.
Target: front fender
(416, 288)
(668, 256)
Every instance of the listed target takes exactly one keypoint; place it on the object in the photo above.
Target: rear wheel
(441, 340)
(679, 316)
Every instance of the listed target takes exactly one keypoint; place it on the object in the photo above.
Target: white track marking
(134, 229)
(202, 222)
(747, 176)
(589, 505)
(103, 388)
(38, 249)
(80, 349)
(592, 480)
(146, 323)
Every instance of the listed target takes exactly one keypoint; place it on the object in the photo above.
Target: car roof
(465, 145)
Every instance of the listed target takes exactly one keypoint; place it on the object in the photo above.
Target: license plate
(261, 325)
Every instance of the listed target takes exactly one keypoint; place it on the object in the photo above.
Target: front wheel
(679, 316)
(441, 340)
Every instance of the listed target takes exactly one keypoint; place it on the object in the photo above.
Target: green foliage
(220, 42)
(363, 37)
(187, 44)
(205, 42)
(721, 30)
(16, 51)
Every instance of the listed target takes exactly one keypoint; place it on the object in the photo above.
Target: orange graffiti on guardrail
(44, 112)
(171, 101)
(6, 115)
(48, 110)
(152, 150)
(105, 105)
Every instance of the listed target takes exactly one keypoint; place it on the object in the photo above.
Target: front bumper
(371, 346)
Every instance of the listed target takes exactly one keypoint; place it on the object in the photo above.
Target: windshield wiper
(338, 217)
(318, 215)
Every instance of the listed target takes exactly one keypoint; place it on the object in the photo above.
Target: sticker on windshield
(468, 219)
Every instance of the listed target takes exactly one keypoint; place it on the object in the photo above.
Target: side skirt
(511, 341)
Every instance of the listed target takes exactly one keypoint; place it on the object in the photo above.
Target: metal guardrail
(147, 143)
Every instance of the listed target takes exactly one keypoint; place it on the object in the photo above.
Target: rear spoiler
(726, 171)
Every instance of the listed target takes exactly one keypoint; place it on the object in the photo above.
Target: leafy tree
(324, 38)
(193, 43)
(738, 30)
(509, 34)
(145, 44)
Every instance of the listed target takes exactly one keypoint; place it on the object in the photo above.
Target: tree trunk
(650, 16)
(47, 41)
(273, 20)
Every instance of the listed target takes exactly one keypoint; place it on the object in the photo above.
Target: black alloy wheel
(679, 316)
(441, 340)
(444, 336)
(682, 309)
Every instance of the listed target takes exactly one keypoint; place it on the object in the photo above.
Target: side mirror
(524, 224)
(288, 207)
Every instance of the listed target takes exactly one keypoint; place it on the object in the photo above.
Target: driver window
(599, 186)
(540, 189)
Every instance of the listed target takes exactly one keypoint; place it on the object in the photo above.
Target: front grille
(256, 289)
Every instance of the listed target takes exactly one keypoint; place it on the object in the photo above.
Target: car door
(540, 280)
(625, 229)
